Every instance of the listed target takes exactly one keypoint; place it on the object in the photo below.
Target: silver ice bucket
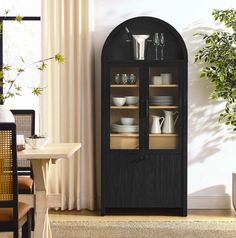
(139, 46)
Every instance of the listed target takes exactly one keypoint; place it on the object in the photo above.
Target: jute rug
(141, 229)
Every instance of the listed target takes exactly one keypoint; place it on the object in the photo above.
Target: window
(22, 40)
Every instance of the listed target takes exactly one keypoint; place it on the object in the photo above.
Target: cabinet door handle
(140, 159)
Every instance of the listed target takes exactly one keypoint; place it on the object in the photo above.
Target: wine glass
(162, 44)
(156, 42)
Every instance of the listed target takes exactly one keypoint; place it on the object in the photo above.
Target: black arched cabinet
(144, 119)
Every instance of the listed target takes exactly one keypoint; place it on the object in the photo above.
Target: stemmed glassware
(162, 44)
(156, 42)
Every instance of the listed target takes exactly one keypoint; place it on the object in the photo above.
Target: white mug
(157, 80)
(166, 78)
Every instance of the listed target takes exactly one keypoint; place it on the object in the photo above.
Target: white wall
(211, 157)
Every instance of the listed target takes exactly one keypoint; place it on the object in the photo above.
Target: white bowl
(131, 100)
(37, 143)
(127, 120)
(118, 101)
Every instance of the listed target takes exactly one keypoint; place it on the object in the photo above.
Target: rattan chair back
(25, 125)
(11, 214)
(8, 169)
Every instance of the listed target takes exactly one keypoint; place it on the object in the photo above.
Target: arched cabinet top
(118, 45)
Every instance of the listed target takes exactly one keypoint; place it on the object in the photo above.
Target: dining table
(41, 160)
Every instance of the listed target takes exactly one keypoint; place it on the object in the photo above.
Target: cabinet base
(144, 211)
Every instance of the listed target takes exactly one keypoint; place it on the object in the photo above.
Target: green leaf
(6, 67)
(20, 70)
(37, 91)
(7, 11)
(202, 75)
(42, 66)
(19, 19)
(23, 61)
(233, 93)
(1, 74)
(59, 58)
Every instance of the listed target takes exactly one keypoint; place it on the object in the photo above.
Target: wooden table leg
(42, 226)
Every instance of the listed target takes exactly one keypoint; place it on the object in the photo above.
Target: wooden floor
(193, 215)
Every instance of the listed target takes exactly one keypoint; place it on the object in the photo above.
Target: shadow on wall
(212, 197)
(205, 134)
(217, 190)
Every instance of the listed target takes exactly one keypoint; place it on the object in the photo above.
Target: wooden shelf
(124, 107)
(163, 107)
(126, 141)
(124, 85)
(162, 135)
(163, 141)
(164, 86)
(124, 135)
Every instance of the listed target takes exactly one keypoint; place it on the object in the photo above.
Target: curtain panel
(67, 106)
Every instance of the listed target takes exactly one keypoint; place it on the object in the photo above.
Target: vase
(156, 124)
(6, 115)
(169, 122)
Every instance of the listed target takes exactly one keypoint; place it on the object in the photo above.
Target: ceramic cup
(166, 78)
(157, 80)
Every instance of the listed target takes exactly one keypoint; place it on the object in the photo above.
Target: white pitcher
(156, 124)
(169, 123)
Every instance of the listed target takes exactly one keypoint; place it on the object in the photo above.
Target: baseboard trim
(209, 202)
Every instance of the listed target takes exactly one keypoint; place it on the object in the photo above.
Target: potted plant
(218, 58)
(9, 83)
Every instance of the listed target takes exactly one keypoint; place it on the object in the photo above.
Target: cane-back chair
(13, 214)
(25, 125)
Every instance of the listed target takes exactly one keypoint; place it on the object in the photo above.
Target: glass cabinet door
(124, 107)
(163, 107)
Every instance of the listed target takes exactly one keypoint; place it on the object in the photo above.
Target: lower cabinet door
(147, 181)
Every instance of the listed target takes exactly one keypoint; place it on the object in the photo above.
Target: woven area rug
(141, 229)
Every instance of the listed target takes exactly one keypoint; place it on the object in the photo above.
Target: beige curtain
(67, 106)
